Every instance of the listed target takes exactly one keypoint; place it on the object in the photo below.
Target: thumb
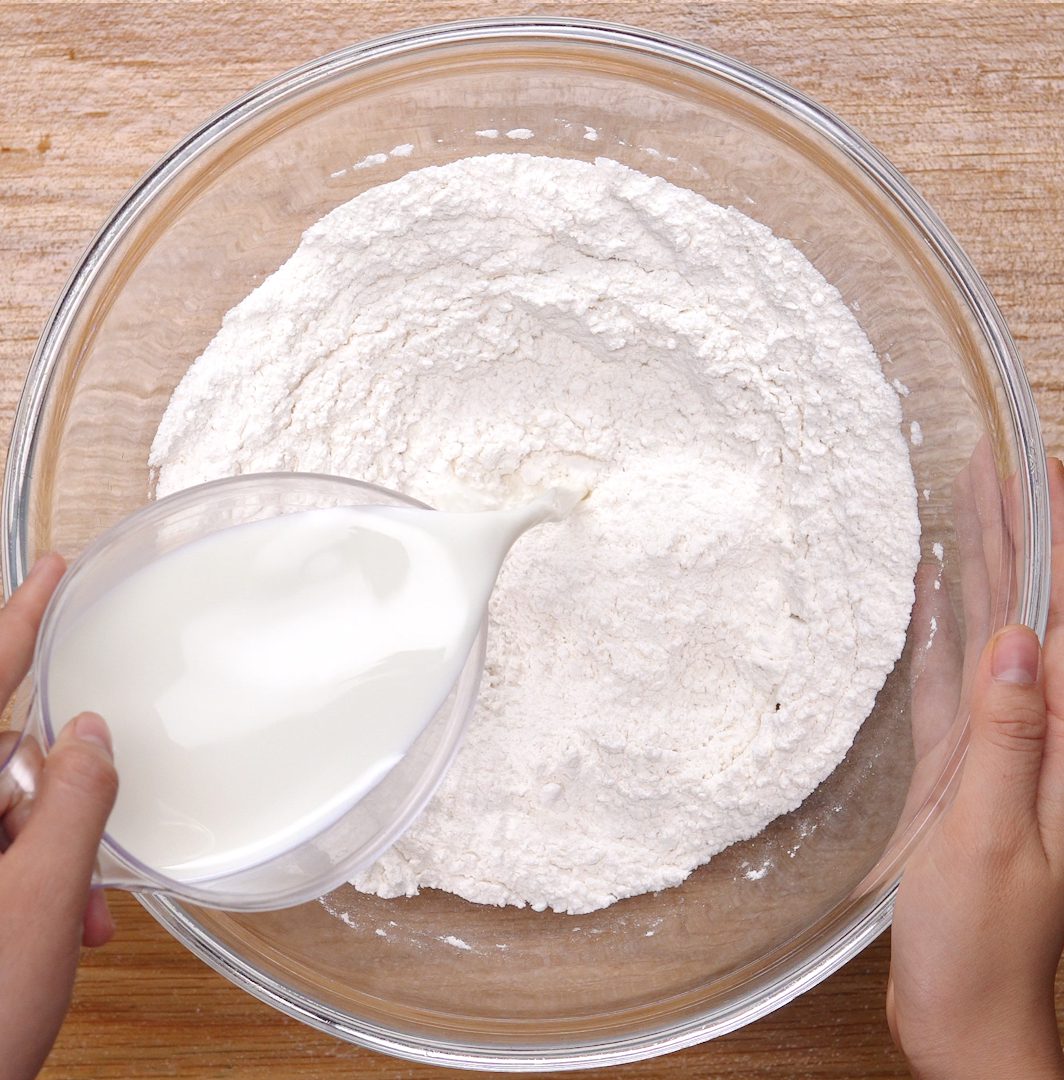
(74, 798)
(1008, 728)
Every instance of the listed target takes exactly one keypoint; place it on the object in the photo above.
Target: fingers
(999, 785)
(975, 592)
(1008, 717)
(891, 1012)
(98, 927)
(1055, 475)
(45, 890)
(935, 671)
(937, 661)
(58, 843)
(20, 620)
(989, 494)
(1051, 787)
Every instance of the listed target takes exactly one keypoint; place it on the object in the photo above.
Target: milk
(261, 680)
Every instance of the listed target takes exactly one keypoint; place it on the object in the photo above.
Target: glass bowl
(434, 978)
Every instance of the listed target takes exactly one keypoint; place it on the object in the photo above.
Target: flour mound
(691, 652)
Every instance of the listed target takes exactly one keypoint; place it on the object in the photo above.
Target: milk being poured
(261, 680)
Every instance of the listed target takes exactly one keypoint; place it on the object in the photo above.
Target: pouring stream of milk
(261, 680)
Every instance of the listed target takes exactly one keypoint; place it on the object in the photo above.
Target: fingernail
(91, 728)
(1015, 656)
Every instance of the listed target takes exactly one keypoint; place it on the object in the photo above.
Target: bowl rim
(1033, 590)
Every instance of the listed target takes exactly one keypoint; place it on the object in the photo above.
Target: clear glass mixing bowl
(435, 978)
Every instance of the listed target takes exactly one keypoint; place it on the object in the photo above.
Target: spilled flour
(694, 649)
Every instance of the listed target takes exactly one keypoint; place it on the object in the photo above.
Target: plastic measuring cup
(365, 829)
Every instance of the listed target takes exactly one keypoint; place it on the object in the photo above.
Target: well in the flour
(693, 650)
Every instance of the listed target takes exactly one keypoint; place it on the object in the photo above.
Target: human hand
(979, 916)
(49, 847)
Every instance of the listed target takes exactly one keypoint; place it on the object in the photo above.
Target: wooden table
(966, 100)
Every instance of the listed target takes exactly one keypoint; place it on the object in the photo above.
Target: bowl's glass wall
(700, 953)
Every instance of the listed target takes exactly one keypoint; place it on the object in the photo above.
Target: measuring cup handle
(110, 873)
(21, 754)
(21, 763)
(22, 758)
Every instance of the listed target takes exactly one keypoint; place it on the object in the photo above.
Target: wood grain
(965, 99)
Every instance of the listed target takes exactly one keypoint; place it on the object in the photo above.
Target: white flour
(692, 652)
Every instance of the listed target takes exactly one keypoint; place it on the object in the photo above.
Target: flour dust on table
(693, 650)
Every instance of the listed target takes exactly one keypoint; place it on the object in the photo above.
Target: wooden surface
(966, 100)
